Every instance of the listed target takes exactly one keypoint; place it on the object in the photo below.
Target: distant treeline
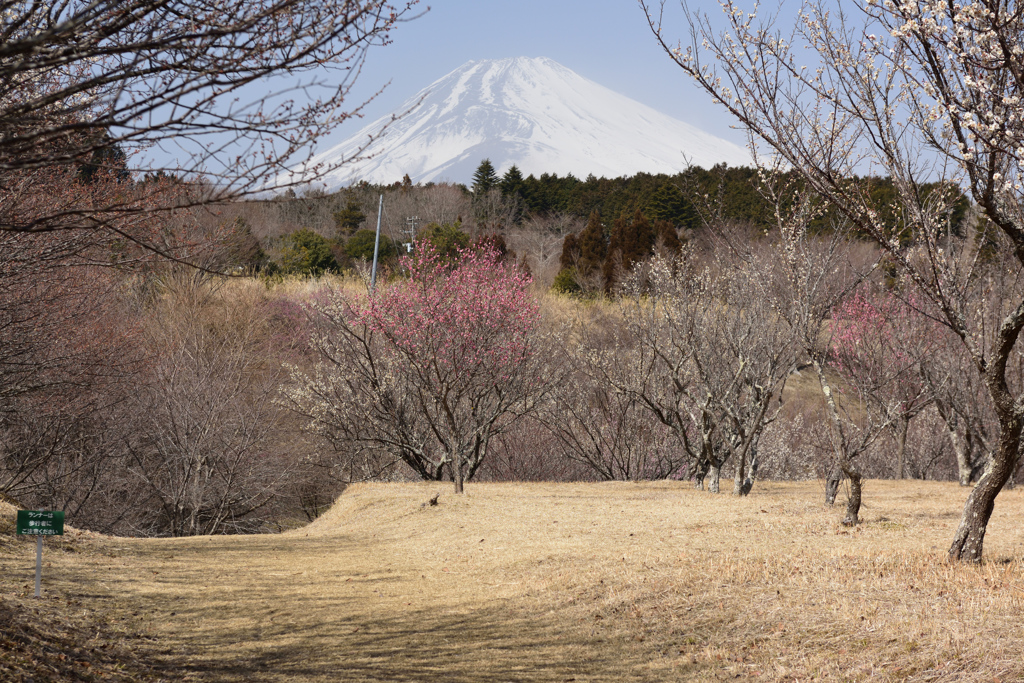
(534, 214)
(688, 199)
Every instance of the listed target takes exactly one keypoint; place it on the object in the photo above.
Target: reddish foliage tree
(631, 242)
(882, 341)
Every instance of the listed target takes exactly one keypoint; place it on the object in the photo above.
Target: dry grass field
(550, 582)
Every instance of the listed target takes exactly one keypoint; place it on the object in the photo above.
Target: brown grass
(583, 582)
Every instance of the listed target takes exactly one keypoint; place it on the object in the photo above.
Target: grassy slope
(70, 634)
(557, 582)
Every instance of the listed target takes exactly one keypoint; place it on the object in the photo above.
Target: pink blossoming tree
(426, 371)
(878, 344)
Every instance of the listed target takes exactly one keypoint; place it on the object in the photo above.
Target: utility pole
(376, 245)
(412, 221)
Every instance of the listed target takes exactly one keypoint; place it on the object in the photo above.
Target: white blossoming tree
(920, 91)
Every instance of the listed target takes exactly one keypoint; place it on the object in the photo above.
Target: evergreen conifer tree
(632, 241)
(582, 256)
(349, 218)
(566, 280)
(570, 251)
(484, 179)
(592, 244)
(669, 204)
(613, 259)
(512, 183)
(638, 242)
(666, 232)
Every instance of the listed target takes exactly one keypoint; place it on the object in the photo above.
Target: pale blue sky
(607, 41)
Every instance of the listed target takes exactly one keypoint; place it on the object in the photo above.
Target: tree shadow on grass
(483, 645)
(290, 609)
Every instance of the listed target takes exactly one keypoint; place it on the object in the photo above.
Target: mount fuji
(533, 113)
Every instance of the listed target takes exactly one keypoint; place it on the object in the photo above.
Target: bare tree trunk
(835, 475)
(741, 474)
(903, 426)
(699, 473)
(963, 447)
(832, 486)
(457, 472)
(963, 458)
(715, 474)
(853, 502)
(748, 483)
(970, 535)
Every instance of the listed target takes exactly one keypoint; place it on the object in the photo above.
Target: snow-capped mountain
(533, 113)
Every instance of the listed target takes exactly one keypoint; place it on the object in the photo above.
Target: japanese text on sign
(40, 522)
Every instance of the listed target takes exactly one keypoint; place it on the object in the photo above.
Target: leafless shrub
(609, 432)
(199, 445)
(529, 451)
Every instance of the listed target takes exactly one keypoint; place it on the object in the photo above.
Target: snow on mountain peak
(531, 112)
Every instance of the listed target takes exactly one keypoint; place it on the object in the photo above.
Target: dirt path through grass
(599, 582)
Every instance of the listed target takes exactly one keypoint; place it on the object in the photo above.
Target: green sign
(41, 522)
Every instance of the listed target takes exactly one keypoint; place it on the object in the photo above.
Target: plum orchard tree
(961, 402)
(874, 348)
(428, 370)
(875, 342)
(83, 82)
(609, 432)
(883, 343)
(960, 394)
(596, 425)
(708, 356)
(917, 91)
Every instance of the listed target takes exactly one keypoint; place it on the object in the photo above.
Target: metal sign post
(39, 566)
(40, 523)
